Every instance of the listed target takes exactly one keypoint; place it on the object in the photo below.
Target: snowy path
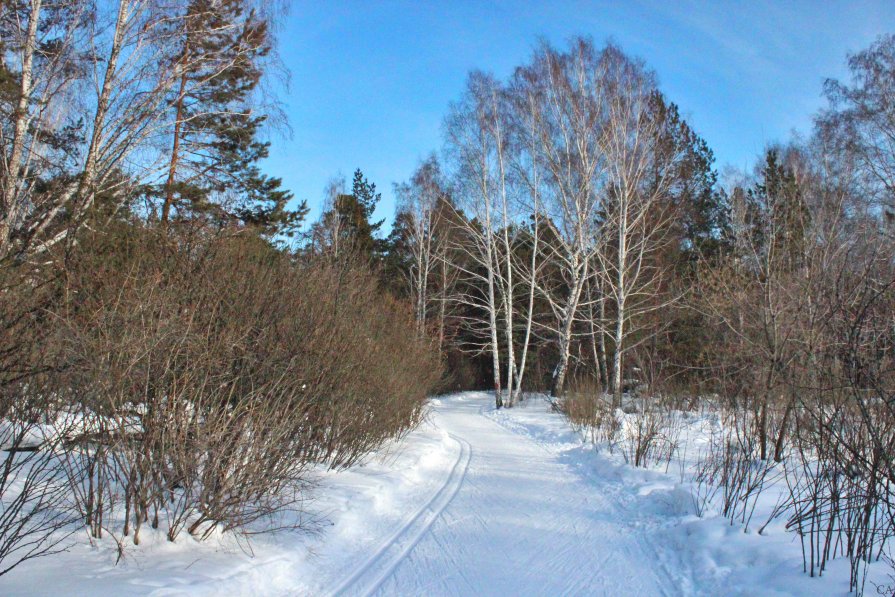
(511, 519)
(473, 502)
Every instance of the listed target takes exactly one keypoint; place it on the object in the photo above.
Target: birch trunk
(565, 336)
(532, 282)
(10, 206)
(87, 190)
(621, 296)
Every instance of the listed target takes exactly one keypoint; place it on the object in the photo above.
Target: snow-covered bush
(35, 509)
(732, 473)
(35, 513)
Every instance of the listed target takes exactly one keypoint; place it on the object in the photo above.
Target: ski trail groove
(370, 575)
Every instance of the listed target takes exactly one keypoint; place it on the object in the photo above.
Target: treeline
(168, 359)
(557, 240)
(576, 226)
(576, 239)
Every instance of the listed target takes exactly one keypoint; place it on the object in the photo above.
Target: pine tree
(213, 166)
(346, 227)
(365, 193)
(779, 216)
(704, 214)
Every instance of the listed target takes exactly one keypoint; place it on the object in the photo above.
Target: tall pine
(215, 148)
(779, 215)
(347, 227)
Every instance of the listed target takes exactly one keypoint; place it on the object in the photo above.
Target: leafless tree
(637, 206)
(424, 207)
(114, 67)
(477, 141)
(524, 94)
(858, 127)
(571, 113)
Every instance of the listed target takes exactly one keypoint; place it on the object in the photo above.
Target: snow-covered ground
(474, 502)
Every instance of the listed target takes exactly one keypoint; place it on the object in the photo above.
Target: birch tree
(87, 101)
(525, 94)
(638, 208)
(859, 126)
(570, 110)
(477, 141)
(127, 87)
(41, 60)
(424, 223)
(104, 69)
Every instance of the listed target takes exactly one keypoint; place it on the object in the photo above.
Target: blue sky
(371, 80)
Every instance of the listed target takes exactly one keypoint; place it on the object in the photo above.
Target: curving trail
(511, 519)
(370, 575)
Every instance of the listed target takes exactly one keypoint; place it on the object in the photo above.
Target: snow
(475, 501)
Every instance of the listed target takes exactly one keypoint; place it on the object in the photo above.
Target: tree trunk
(175, 149)
(86, 192)
(531, 308)
(442, 306)
(565, 348)
(604, 367)
(566, 327)
(508, 323)
(597, 341)
(9, 207)
(492, 315)
(781, 433)
(617, 383)
(621, 297)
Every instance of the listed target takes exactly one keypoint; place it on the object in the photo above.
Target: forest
(181, 348)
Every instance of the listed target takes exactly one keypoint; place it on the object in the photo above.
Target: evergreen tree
(346, 227)
(703, 210)
(366, 196)
(397, 257)
(213, 166)
(777, 213)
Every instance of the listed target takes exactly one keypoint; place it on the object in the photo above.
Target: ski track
(513, 519)
(368, 577)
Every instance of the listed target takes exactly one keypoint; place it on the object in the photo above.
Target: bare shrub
(35, 514)
(211, 373)
(841, 485)
(651, 433)
(590, 412)
(733, 472)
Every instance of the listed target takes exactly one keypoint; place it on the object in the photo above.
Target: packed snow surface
(474, 502)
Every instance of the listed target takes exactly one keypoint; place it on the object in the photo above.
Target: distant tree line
(565, 223)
